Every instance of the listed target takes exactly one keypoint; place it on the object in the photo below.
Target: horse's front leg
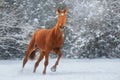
(46, 62)
(53, 68)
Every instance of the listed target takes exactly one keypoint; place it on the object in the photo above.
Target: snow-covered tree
(92, 28)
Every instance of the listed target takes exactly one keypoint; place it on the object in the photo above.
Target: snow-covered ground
(69, 69)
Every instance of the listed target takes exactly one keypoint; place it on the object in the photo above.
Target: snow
(68, 69)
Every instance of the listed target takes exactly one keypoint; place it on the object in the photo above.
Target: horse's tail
(30, 53)
(33, 55)
(31, 49)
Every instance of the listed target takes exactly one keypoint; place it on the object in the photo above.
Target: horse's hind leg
(29, 51)
(38, 61)
(26, 57)
(53, 68)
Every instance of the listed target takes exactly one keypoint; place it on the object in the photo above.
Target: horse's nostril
(62, 27)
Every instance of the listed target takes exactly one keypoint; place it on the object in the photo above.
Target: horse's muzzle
(62, 28)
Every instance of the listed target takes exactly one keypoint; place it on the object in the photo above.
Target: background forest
(92, 29)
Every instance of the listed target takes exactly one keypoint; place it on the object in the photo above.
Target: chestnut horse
(46, 41)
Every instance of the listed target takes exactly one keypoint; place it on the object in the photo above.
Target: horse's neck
(56, 31)
(57, 24)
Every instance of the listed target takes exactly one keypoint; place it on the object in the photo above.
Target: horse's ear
(65, 10)
(58, 10)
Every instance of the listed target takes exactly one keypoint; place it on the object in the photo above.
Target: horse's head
(62, 14)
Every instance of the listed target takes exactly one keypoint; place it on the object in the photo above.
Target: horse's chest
(58, 41)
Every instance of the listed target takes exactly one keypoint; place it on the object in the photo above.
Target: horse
(46, 41)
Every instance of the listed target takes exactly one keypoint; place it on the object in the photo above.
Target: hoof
(44, 73)
(53, 69)
(34, 71)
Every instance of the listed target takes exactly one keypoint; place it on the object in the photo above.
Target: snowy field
(69, 69)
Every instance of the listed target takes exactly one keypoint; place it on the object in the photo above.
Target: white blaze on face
(62, 14)
(62, 29)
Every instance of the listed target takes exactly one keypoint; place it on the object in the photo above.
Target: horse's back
(41, 33)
